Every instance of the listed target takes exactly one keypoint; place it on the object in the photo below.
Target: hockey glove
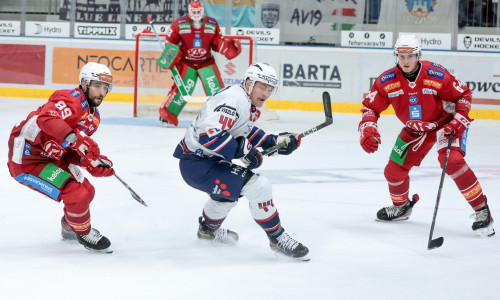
(83, 145)
(291, 142)
(458, 125)
(369, 137)
(248, 154)
(97, 169)
(230, 48)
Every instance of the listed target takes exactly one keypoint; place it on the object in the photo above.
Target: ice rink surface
(327, 193)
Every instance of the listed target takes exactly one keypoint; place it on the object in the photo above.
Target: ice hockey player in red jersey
(48, 148)
(197, 35)
(432, 104)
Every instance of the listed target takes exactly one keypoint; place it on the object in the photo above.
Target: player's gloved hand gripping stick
(327, 105)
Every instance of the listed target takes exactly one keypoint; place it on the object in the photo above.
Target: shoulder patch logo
(387, 76)
(435, 73)
(75, 93)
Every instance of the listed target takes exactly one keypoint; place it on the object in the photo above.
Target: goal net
(152, 82)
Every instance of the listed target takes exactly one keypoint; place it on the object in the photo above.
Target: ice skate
(220, 235)
(483, 224)
(286, 245)
(66, 232)
(95, 241)
(393, 213)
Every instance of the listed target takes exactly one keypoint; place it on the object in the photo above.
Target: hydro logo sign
(53, 29)
(97, 31)
(311, 76)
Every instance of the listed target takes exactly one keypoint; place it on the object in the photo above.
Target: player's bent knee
(75, 192)
(258, 189)
(394, 172)
(455, 161)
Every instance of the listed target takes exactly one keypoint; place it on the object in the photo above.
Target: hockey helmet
(196, 11)
(97, 72)
(408, 44)
(261, 72)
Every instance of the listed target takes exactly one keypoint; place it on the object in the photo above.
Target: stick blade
(327, 105)
(435, 243)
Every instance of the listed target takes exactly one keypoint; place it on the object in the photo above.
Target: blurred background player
(197, 35)
(48, 147)
(224, 130)
(432, 104)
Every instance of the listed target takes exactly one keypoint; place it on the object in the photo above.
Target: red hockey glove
(83, 145)
(291, 143)
(421, 126)
(369, 136)
(230, 48)
(250, 156)
(97, 169)
(458, 125)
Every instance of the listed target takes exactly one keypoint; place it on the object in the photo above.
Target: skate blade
(108, 250)
(485, 232)
(283, 256)
(395, 220)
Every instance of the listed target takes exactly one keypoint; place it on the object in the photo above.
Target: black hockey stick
(327, 105)
(436, 243)
(134, 194)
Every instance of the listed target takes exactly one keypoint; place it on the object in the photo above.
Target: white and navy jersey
(226, 116)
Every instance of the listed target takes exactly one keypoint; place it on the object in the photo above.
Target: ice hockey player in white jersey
(224, 130)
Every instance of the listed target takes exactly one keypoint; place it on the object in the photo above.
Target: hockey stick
(436, 243)
(327, 105)
(134, 194)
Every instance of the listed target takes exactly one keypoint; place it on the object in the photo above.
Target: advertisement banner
(52, 29)
(259, 35)
(309, 21)
(97, 31)
(68, 62)
(366, 39)
(10, 28)
(437, 41)
(131, 30)
(478, 42)
(22, 64)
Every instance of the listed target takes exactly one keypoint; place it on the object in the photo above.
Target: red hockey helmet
(196, 11)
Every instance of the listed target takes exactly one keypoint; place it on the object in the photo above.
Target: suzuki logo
(230, 69)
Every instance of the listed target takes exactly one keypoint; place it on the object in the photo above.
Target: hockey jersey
(40, 137)
(433, 96)
(226, 116)
(195, 44)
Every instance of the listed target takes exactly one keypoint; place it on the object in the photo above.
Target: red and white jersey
(433, 96)
(40, 137)
(195, 44)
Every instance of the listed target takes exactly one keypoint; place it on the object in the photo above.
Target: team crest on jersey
(387, 77)
(413, 100)
(392, 86)
(416, 112)
(435, 73)
(75, 93)
(197, 35)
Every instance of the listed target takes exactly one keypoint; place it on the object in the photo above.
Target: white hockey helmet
(196, 11)
(261, 72)
(97, 72)
(408, 44)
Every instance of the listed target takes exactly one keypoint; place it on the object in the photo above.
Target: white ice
(327, 193)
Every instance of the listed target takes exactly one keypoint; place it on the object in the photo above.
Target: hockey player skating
(197, 35)
(224, 130)
(48, 147)
(432, 104)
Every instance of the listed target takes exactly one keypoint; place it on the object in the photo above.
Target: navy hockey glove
(291, 142)
(250, 156)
